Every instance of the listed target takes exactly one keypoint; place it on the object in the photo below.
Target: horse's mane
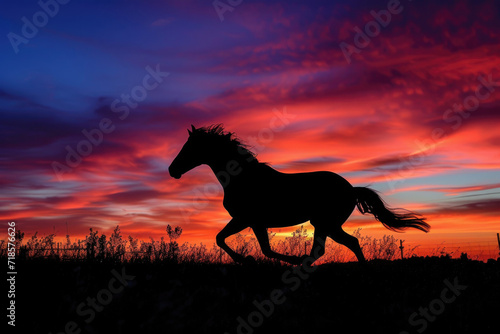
(229, 140)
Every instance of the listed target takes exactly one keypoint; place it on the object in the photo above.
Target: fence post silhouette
(498, 240)
(401, 248)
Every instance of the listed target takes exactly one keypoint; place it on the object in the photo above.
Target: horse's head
(195, 152)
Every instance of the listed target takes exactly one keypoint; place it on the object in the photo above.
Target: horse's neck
(231, 168)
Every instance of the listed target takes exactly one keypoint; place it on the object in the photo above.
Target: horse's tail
(368, 201)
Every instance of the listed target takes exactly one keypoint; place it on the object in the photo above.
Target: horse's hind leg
(342, 237)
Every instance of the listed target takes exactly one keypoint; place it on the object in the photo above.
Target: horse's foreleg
(318, 247)
(263, 239)
(234, 226)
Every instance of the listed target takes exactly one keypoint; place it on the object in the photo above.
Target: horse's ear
(192, 129)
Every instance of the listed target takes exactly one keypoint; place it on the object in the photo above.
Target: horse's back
(322, 187)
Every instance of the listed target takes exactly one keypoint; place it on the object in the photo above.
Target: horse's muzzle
(174, 174)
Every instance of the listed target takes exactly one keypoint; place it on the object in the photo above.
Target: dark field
(448, 296)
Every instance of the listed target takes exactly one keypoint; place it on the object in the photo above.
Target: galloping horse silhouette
(260, 197)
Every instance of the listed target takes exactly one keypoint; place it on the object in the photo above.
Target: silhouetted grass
(117, 248)
(194, 288)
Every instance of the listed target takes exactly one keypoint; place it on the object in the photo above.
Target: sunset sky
(403, 97)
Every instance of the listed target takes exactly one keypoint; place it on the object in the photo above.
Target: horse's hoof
(297, 260)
